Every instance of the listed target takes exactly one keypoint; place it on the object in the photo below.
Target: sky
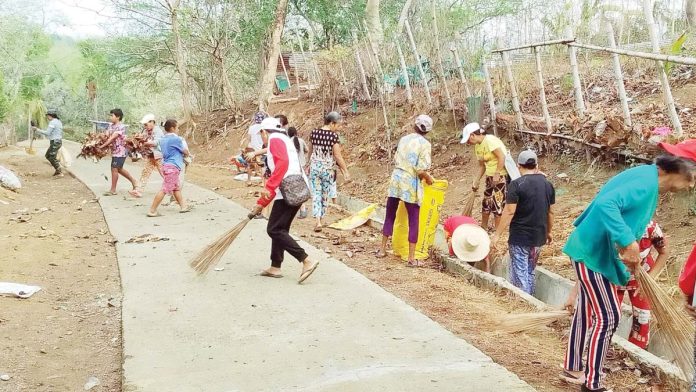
(77, 18)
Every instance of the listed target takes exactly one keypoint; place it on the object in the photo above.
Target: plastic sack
(9, 180)
(429, 216)
(64, 157)
(357, 220)
(511, 167)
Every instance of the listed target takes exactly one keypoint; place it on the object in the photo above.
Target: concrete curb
(554, 287)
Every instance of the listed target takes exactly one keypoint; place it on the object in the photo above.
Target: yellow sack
(357, 220)
(429, 216)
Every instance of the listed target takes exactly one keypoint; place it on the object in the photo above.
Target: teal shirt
(617, 216)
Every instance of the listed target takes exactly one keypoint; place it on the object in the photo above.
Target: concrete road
(235, 331)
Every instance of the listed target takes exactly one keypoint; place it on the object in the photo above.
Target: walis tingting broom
(212, 253)
(469, 204)
(529, 321)
(675, 326)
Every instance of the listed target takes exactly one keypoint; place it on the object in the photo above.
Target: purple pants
(413, 211)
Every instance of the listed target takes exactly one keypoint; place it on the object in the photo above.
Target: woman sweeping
(324, 152)
(490, 152)
(616, 219)
(412, 160)
(283, 162)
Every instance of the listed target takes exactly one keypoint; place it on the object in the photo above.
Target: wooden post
(542, 92)
(661, 73)
(363, 77)
(460, 68)
(311, 76)
(440, 68)
(418, 62)
(297, 71)
(577, 85)
(285, 71)
(618, 75)
(491, 97)
(404, 72)
(513, 90)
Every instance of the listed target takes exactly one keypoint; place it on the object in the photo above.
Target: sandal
(318, 228)
(109, 193)
(270, 275)
(135, 193)
(154, 215)
(414, 264)
(185, 210)
(571, 379)
(380, 254)
(306, 274)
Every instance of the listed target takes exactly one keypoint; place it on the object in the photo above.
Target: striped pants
(598, 310)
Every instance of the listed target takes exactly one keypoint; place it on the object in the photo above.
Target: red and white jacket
(283, 161)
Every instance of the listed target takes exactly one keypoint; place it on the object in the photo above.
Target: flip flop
(270, 275)
(417, 264)
(571, 379)
(151, 215)
(109, 194)
(135, 193)
(306, 274)
(318, 228)
(185, 210)
(380, 255)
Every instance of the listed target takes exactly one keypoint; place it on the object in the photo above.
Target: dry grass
(530, 321)
(677, 329)
(212, 253)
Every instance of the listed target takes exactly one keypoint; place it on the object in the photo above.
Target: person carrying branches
(119, 153)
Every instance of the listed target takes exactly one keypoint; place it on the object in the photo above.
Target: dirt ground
(53, 235)
(452, 301)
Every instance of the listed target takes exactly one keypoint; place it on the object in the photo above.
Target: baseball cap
(271, 124)
(424, 123)
(468, 130)
(527, 157)
(332, 117)
(147, 118)
(52, 112)
(685, 149)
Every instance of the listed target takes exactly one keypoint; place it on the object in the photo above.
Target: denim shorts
(117, 162)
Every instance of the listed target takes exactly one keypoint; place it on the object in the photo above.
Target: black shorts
(117, 162)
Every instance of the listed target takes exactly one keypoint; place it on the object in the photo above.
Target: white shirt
(255, 140)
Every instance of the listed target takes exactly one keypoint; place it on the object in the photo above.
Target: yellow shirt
(484, 152)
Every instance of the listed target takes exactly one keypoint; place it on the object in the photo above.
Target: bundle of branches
(137, 144)
(91, 144)
(675, 326)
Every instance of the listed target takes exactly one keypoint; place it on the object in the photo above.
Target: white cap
(271, 124)
(468, 130)
(424, 122)
(147, 118)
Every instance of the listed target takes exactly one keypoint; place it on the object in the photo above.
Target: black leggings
(282, 215)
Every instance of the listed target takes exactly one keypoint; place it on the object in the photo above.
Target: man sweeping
(54, 133)
(603, 249)
(529, 214)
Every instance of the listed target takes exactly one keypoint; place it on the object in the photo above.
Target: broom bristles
(676, 327)
(527, 321)
(469, 204)
(212, 253)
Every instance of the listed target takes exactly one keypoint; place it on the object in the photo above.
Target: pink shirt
(118, 146)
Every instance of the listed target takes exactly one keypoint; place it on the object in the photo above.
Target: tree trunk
(690, 10)
(404, 15)
(374, 26)
(272, 53)
(227, 89)
(181, 63)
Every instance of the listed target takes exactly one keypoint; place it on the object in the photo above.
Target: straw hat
(470, 243)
